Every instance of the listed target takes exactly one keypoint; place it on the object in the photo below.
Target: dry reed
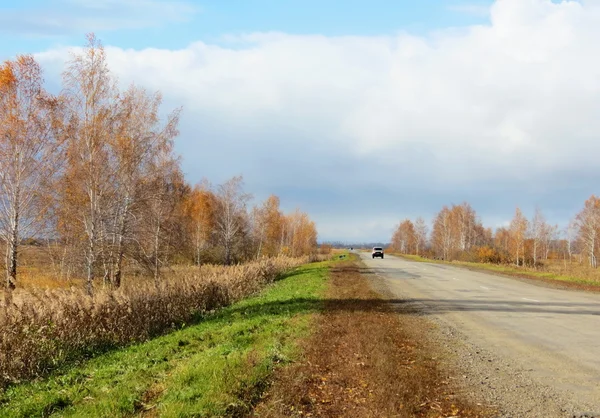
(43, 330)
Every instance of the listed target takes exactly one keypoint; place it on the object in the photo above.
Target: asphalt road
(554, 334)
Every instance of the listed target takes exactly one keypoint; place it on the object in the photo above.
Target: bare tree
(420, 233)
(537, 229)
(570, 235)
(231, 204)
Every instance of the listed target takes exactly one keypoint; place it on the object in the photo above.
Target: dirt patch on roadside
(365, 360)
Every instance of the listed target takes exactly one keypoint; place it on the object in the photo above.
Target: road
(552, 333)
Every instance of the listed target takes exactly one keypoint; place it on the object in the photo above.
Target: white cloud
(500, 114)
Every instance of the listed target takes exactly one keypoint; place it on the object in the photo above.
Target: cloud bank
(364, 131)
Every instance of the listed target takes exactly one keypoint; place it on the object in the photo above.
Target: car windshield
(377, 249)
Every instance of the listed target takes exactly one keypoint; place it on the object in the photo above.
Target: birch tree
(538, 227)
(231, 204)
(268, 225)
(91, 95)
(518, 231)
(588, 222)
(441, 235)
(139, 147)
(420, 234)
(28, 154)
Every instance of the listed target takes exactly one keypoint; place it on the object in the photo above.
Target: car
(377, 252)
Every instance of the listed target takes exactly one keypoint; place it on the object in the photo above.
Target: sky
(361, 113)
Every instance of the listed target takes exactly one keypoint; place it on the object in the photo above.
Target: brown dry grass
(44, 329)
(365, 360)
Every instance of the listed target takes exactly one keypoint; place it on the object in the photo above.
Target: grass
(367, 359)
(578, 279)
(219, 367)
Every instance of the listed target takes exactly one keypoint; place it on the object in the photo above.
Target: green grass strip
(218, 367)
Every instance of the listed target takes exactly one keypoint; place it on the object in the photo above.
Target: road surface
(553, 334)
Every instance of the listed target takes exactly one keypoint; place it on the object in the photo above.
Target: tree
(570, 234)
(29, 153)
(91, 93)
(518, 231)
(549, 235)
(231, 214)
(301, 234)
(464, 225)
(268, 225)
(420, 234)
(588, 222)
(140, 147)
(201, 211)
(538, 228)
(441, 236)
(405, 238)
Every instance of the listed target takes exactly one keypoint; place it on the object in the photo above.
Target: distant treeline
(458, 234)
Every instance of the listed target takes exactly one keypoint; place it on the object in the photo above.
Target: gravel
(502, 383)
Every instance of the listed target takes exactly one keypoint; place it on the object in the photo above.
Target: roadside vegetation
(218, 365)
(530, 248)
(366, 358)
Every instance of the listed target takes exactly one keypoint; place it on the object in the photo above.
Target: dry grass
(553, 273)
(45, 329)
(365, 360)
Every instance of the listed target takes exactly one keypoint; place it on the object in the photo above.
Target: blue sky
(34, 25)
(362, 113)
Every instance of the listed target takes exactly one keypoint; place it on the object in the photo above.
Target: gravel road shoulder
(498, 382)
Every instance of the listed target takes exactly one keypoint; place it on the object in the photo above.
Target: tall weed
(42, 330)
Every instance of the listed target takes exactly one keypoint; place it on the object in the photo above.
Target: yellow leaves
(7, 75)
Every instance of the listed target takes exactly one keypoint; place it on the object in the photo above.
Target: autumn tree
(141, 147)
(268, 225)
(588, 223)
(421, 231)
(518, 232)
(405, 238)
(201, 207)
(301, 234)
(464, 225)
(29, 153)
(502, 240)
(538, 228)
(441, 235)
(570, 234)
(231, 214)
(91, 94)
